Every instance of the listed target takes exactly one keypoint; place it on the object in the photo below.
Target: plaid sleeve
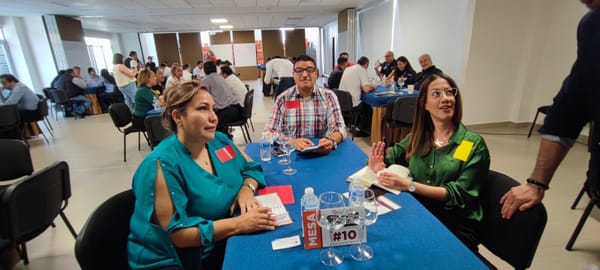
(275, 118)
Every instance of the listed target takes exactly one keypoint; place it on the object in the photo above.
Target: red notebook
(284, 192)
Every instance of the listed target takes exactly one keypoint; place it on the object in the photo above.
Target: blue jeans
(128, 91)
(85, 101)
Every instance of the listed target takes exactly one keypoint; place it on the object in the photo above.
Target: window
(5, 61)
(100, 53)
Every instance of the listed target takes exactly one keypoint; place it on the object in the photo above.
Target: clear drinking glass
(282, 140)
(289, 148)
(331, 220)
(360, 251)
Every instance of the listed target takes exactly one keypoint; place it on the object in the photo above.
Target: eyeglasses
(308, 70)
(450, 92)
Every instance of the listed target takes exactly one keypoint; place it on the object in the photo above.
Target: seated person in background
(386, 70)
(238, 88)
(404, 71)
(198, 73)
(150, 64)
(74, 87)
(144, 97)
(20, 94)
(228, 108)
(186, 74)
(355, 81)
(428, 70)
(194, 190)
(344, 55)
(175, 77)
(308, 111)
(93, 80)
(160, 81)
(336, 75)
(59, 81)
(279, 72)
(447, 162)
(167, 70)
(109, 88)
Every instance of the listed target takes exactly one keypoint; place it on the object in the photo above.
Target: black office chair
(541, 109)
(243, 123)
(250, 112)
(156, 131)
(514, 240)
(345, 101)
(49, 97)
(121, 117)
(99, 246)
(30, 206)
(400, 114)
(44, 110)
(63, 102)
(10, 119)
(15, 160)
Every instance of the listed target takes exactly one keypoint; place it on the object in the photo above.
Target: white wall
(130, 42)
(436, 27)
(519, 53)
(149, 47)
(77, 54)
(329, 31)
(44, 69)
(374, 33)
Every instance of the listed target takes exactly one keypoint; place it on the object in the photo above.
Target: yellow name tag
(463, 150)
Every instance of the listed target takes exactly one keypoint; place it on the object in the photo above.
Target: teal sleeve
(180, 219)
(466, 187)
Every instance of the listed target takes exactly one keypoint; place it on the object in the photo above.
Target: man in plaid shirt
(308, 111)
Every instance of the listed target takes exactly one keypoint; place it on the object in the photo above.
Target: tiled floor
(93, 148)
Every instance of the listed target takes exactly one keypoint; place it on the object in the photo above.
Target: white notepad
(278, 210)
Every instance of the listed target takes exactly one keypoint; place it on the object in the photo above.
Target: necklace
(439, 143)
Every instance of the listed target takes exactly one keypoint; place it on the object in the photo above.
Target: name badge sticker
(225, 154)
(292, 104)
(463, 151)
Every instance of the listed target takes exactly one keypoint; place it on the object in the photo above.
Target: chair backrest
(120, 114)
(15, 160)
(102, 242)
(154, 128)
(248, 104)
(31, 205)
(515, 240)
(42, 108)
(59, 96)
(404, 110)
(47, 93)
(345, 100)
(9, 116)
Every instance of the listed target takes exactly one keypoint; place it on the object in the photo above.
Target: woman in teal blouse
(447, 162)
(144, 97)
(188, 187)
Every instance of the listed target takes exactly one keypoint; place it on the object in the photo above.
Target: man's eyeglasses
(450, 92)
(300, 71)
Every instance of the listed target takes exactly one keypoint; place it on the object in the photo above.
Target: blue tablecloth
(91, 90)
(407, 238)
(381, 101)
(154, 112)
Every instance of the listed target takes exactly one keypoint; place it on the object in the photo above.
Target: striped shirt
(316, 116)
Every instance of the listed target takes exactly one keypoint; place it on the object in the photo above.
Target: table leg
(95, 108)
(377, 126)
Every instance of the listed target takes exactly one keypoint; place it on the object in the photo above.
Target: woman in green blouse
(447, 162)
(144, 97)
(188, 187)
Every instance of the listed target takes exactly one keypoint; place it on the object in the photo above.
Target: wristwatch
(250, 186)
(334, 142)
(411, 186)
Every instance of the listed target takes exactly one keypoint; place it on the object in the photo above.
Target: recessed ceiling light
(226, 26)
(218, 20)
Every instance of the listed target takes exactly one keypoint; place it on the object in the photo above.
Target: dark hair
(199, 62)
(218, 62)
(132, 53)
(342, 60)
(186, 66)
(177, 99)
(9, 78)
(304, 57)
(344, 53)
(69, 71)
(363, 60)
(117, 59)
(164, 64)
(90, 69)
(210, 67)
(107, 77)
(404, 60)
(421, 136)
(226, 70)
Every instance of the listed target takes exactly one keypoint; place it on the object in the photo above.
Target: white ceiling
(186, 15)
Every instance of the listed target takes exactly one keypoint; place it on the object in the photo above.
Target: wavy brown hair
(421, 138)
(177, 99)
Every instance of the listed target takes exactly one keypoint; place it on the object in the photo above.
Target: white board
(245, 54)
(222, 51)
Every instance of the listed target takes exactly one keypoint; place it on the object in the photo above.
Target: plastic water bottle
(155, 103)
(309, 201)
(393, 86)
(265, 146)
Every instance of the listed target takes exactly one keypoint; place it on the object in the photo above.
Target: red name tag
(225, 154)
(292, 104)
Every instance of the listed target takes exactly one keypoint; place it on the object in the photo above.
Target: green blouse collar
(459, 134)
